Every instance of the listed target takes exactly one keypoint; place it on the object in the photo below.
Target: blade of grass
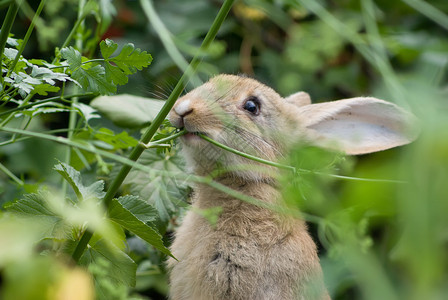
(363, 47)
(165, 36)
(137, 151)
(382, 62)
(5, 3)
(430, 11)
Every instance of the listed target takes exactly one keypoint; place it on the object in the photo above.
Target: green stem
(171, 137)
(71, 34)
(7, 25)
(133, 164)
(44, 101)
(165, 36)
(248, 156)
(388, 75)
(11, 175)
(137, 151)
(430, 11)
(291, 168)
(24, 103)
(27, 36)
(5, 3)
(73, 113)
(49, 132)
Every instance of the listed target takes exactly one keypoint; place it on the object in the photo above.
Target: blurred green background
(376, 240)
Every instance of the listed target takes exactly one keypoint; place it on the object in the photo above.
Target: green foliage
(377, 240)
(166, 194)
(104, 80)
(119, 267)
(128, 111)
(36, 208)
(73, 177)
(132, 213)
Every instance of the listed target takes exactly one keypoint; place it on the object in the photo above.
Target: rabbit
(252, 252)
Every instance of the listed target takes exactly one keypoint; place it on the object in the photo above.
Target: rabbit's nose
(183, 108)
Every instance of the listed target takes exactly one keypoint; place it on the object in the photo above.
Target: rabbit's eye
(252, 105)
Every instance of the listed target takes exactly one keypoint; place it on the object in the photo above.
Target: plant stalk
(138, 150)
(7, 25)
(73, 113)
(27, 36)
(11, 175)
(43, 101)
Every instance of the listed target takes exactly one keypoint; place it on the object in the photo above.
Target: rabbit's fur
(253, 252)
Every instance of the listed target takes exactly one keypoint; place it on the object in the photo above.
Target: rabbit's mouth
(193, 137)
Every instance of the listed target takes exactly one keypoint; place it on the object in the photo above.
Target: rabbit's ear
(299, 99)
(358, 125)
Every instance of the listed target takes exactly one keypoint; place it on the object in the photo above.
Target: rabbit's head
(248, 116)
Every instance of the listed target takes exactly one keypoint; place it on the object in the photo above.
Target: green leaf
(93, 79)
(47, 75)
(23, 82)
(121, 268)
(166, 194)
(115, 74)
(107, 48)
(10, 53)
(130, 59)
(87, 111)
(43, 110)
(73, 57)
(128, 212)
(73, 177)
(142, 210)
(119, 141)
(43, 89)
(49, 224)
(127, 110)
(12, 42)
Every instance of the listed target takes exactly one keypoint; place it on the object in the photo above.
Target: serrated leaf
(166, 194)
(87, 111)
(73, 177)
(127, 110)
(107, 48)
(48, 75)
(43, 110)
(121, 268)
(23, 82)
(127, 216)
(12, 42)
(44, 88)
(10, 53)
(72, 56)
(48, 223)
(93, 79)
(115, 74)
(130, 59)
(142, 210)
(118, 141)
(39, 62)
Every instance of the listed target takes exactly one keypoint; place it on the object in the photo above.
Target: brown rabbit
(252, 252)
